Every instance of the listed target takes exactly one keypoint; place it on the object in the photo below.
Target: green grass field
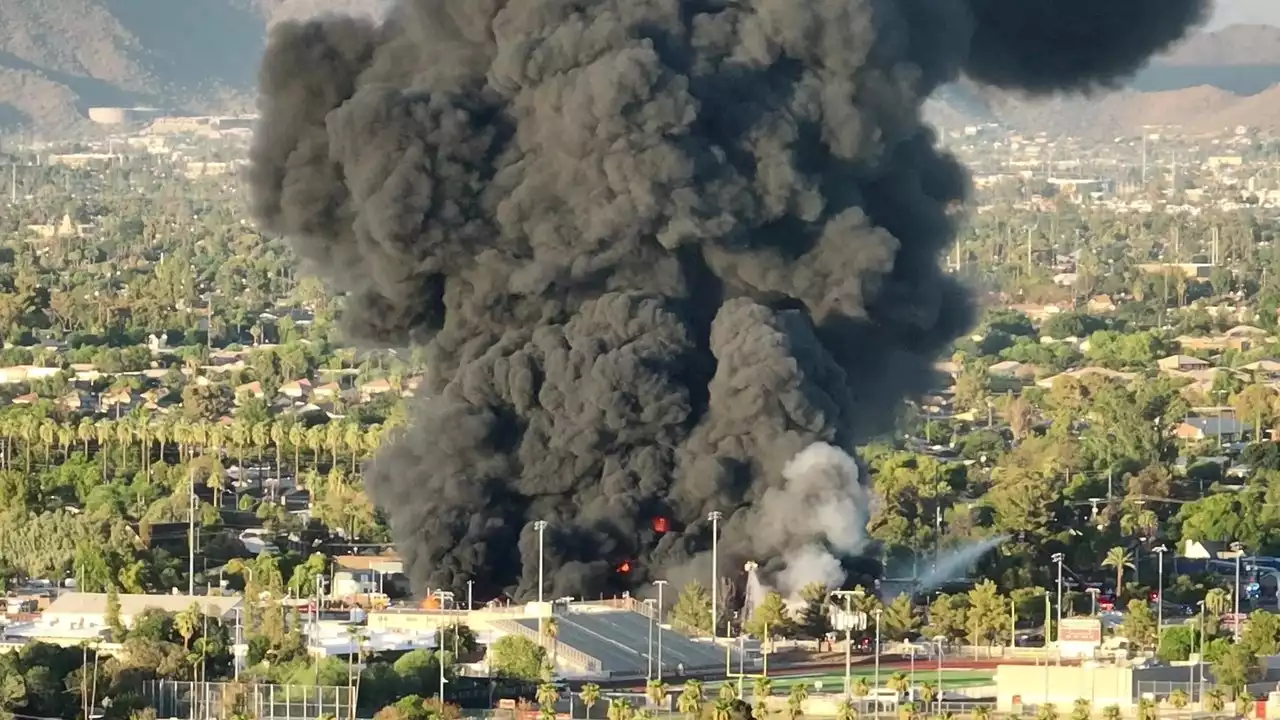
(833, 682)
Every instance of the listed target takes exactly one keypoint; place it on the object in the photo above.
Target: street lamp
(660, 584)
(1238, 549)
(1159, 550)
(1203, 645)
(1058, 557)
(714, 516)
(648, 653)
(540, 526)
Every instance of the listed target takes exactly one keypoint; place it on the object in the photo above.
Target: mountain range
(60, 57)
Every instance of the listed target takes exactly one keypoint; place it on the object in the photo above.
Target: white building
(88, 611)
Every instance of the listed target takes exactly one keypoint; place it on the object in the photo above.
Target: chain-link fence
(213, 700)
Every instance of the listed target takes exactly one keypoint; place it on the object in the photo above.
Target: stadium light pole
(715, 516)
(660, 584)
(878, 612)
(1238, 549)
(191, 537)
(540, 526)
(848, 636)
(1058, 557)
(1159, 551)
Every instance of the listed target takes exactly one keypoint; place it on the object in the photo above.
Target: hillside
(58, 57)
(1235, 45)
(1201, 109)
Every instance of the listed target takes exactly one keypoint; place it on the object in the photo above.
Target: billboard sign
(1081, 630)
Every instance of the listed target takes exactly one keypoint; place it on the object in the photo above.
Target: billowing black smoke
(656, 249)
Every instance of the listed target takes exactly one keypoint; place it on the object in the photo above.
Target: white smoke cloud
(817, 517)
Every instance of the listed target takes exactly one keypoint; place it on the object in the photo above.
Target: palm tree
(620, 709)
(590, 695)
(795, 702)
(1179, 699)
(760, 692)
(728, 691)
(186, 623)
(690, 700)
(898, 682)
(356, 635)
(548, 696)
(1244, 705)
(1146, 709)
(1081, 710)
(85, 433)
(861, 688)
(928, 693)
(1217, 601)
(1047, 712)
(1215, 701)
(550, 629)
(723, 709)
(297, 438)
(655, 691)
(981, 712)
(1119, 559)
(845, 710)
(645, 714)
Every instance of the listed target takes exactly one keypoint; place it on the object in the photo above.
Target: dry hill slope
(58, 57)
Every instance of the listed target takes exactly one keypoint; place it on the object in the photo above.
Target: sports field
(833, 682)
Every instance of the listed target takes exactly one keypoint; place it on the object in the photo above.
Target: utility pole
(715, 518)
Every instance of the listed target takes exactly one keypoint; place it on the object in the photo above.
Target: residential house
(253, 389)
(1207, 550)
(296, 389)
(119, 401)
(328, 392)
(16, 374)
(1182, 363)
(1200, 427)
(1081, 373)
(1101, 304)
(75, 402)
(1012, 369)
(359, 574)
(1264, 369)
(374, 387)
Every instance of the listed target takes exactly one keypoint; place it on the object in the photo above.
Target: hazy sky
(1231, 12)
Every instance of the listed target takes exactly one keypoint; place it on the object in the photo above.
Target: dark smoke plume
(656, 247)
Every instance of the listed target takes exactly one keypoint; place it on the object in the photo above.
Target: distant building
(89, 610)
(1182, 363)
(1225, 429)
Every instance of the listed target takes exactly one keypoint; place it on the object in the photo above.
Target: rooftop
(77, 603)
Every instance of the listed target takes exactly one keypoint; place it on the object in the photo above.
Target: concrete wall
(1062, 685)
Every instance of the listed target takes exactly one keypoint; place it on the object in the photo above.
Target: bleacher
(619, 641)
